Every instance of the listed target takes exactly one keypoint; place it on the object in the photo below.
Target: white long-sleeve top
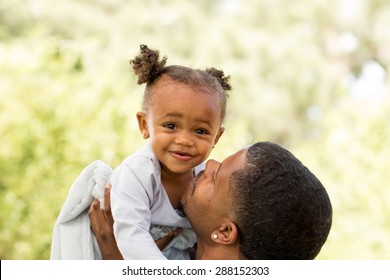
(139, 201)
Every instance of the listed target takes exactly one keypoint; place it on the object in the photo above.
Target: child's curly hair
(149, 69)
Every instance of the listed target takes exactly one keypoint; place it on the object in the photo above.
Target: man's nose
(211, 166)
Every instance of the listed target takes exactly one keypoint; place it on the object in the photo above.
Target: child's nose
(185, 139)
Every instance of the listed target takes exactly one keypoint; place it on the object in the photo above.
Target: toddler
(182, 116)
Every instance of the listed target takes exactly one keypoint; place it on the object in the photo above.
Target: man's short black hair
(281, 209)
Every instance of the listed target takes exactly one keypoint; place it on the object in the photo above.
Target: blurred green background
(309, 75)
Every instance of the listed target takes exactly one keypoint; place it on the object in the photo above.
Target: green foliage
(67, 97)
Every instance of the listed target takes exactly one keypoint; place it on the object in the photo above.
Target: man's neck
(217, 252)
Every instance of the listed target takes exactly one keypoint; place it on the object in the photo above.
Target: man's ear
(143, 124)
(219, 134)
(226, 234)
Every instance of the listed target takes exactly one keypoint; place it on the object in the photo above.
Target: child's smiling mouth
(182, 156)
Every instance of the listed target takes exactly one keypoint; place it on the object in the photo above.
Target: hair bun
(147, 65)
(220, 76)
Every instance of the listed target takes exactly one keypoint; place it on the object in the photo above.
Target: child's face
(183, 125)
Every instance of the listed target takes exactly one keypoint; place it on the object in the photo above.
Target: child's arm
(102, 225)
(132, 196)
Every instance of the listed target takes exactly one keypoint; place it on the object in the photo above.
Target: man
(260, 203)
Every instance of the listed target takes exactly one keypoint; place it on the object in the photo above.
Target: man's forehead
(234, 162)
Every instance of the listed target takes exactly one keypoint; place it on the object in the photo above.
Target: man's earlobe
(227, 234)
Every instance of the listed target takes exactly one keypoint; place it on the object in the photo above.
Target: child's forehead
(174, 97)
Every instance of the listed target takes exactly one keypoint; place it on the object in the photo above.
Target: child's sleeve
(132, 193)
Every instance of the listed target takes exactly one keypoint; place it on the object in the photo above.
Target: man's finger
(96, 215)
(163, 242)
(107, 204)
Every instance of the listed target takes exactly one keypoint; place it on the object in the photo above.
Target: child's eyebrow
(179, 115)
(171, 115)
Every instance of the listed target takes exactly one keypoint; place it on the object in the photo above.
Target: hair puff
(220, 76)
(147, 65)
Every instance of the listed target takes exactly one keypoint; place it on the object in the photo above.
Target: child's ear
(219, 134)
(143, 124)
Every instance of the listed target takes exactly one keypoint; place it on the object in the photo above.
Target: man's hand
(163, 242)
(102, 226)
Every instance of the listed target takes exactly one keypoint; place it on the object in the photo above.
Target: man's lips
(195, 181)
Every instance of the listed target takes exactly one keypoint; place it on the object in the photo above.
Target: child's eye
(201, 131)
(170, 126)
